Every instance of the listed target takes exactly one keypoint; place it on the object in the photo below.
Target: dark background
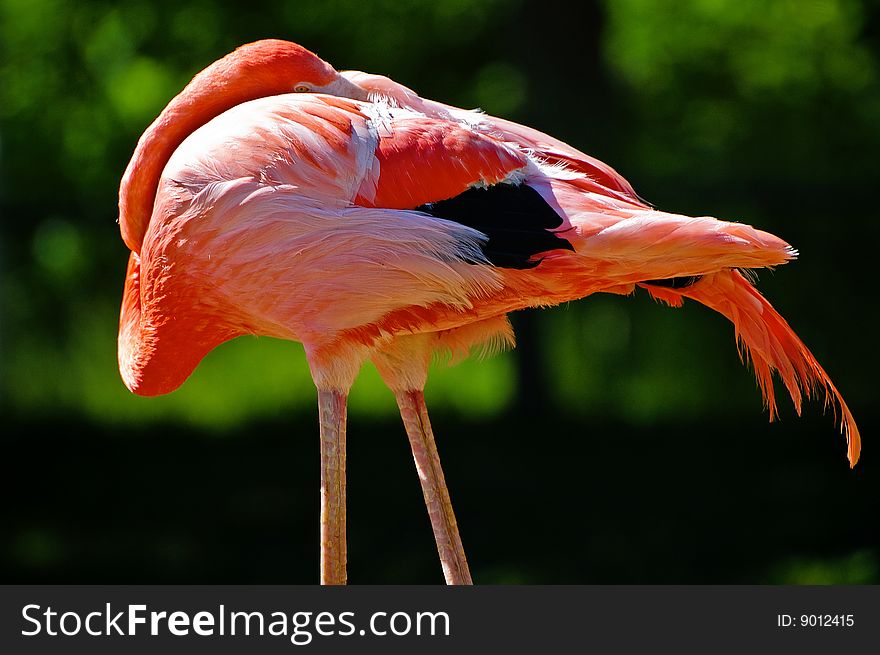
(622, 442)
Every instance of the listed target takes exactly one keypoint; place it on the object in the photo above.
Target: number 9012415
(815, 620)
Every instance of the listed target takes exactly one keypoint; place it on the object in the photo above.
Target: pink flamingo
(276, 196)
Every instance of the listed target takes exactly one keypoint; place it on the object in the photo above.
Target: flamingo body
(367, 222)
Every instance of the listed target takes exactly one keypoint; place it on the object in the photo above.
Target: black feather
(514, 217)
(675, 282)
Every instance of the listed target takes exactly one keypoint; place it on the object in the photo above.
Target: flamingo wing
(420, 160)
(446, 169)
(597, 176)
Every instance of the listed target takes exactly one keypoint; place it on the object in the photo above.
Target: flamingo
(277, 196)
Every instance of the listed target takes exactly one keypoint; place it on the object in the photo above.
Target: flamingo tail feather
(765, 338)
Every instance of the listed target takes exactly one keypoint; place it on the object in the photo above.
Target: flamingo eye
(302, 88)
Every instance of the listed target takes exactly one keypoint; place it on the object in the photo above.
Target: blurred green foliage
(860, 567)
(794, 81)
(766, 112)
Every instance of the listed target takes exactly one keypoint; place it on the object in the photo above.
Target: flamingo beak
(345, 88)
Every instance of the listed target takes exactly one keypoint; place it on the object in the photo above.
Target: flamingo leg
(421, 438)
(332, 417)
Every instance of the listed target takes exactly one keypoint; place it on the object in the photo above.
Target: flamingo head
(273, 66)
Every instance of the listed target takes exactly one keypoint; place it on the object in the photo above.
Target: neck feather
(251, 72)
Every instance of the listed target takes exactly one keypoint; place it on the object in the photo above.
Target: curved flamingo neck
(256, 70)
